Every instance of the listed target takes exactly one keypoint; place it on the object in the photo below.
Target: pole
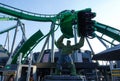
(111, 62)
(14, 39)
(42, 51)
(19, 67)
(29, 66)
(52, 48)
(75, 40)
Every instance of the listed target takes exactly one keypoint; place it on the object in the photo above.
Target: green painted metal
(67, 22)
(7, 18)
(68, 19)
(107, 30)
(28, 45)
(25, 14)
(8, 29)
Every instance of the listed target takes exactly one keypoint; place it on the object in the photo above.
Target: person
(11, 78)
(31, 77)
(65, 54)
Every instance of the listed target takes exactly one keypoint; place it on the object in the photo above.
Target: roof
(110, 54)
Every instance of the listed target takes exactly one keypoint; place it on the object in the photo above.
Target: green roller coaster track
(107, 30)
(25, 14)
(28, 45)
(21, 14)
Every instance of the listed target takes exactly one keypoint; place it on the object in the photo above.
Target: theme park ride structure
(66, 20)
(70, 22)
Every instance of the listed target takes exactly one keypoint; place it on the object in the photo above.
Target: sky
(107, 11)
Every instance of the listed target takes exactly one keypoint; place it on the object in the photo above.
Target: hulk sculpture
(65, 54)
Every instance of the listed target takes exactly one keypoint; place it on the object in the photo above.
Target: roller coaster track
(108, 31)
(28, 45)
(22, 14)
(4, 18)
